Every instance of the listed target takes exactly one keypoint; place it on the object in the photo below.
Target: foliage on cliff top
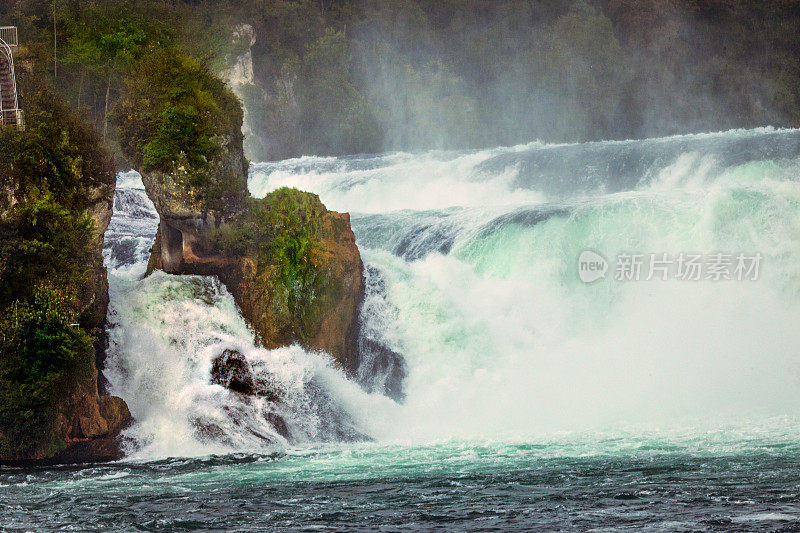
(174, 111)
(291, 219)
(58, 153)
(280, 228)
(282, 231)
(52, 171)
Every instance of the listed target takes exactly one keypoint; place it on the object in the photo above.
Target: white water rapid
(472, 274)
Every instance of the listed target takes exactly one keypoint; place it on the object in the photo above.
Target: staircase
(7, 93)
(10, 114)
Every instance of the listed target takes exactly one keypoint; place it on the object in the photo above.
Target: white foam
(166, 332)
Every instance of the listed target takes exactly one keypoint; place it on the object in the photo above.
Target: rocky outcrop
(87, 429)
(88, 422)
(92, 424)
(317, 308)
(232, 370)
(70, 418)
(239, 77)
(291, 265)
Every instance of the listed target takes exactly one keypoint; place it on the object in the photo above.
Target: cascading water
(471, 263)
(478, 252)
(165, 332)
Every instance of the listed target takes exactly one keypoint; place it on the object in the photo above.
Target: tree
(108, 44)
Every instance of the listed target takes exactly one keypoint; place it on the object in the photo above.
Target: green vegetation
(42, 358)
(49, 266)
(49, 170)
(173, 111)
(176, 118)
(328, 101)
(334, 76)
(59, 153)
(96, 43)
(42, 240)
(281, 232)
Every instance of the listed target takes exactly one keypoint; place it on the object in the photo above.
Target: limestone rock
(231, 370)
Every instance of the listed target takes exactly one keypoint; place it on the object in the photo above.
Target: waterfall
(476, 323)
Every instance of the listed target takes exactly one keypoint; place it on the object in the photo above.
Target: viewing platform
(10, 113)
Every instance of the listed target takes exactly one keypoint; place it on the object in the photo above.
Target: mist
(365, 77)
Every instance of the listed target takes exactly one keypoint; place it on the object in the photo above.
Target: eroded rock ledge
(292, 267)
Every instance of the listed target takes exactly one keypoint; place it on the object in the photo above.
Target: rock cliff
(56, 198)
(291, 265)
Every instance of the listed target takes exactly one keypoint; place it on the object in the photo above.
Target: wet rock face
(253, 383)
(86, 417)
(382, 369)
(90, 425)
(94, 418)
(231, 370)
(381, 366)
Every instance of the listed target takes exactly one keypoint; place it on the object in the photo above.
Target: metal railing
(12, 115)
(9, 35)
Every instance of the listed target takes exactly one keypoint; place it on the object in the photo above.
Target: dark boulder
(231, 370)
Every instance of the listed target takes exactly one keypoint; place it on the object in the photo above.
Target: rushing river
(664, 392)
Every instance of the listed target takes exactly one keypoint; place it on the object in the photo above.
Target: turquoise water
(514, 395)
(723, 480)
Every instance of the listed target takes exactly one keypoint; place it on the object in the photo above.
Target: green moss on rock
(175, 117)
(283, 236)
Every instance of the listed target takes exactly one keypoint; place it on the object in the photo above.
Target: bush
(41, 357)
(281, 229)
(290, 219)
(43, 241)
(173, 110)
(58, 153)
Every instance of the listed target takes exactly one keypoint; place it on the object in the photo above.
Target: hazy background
(339, 77)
